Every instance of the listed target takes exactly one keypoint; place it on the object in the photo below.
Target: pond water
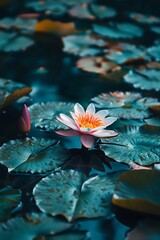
(53, 55)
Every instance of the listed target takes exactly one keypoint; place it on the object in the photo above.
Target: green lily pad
(125, 105)
(138, 190)
(32, 155)
(148, 229)
(147, 79)
(133, 144)
(118, 30)
(71, 194)
(32, 226)
(43, 115)
(9, 200)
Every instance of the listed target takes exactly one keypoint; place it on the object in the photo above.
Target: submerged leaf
(138, 190)
(43, 115)
(32, 226)
(32, 155)
(118, 30)
(72, 195)
(133, 144)
(147, 79)
(9, 200)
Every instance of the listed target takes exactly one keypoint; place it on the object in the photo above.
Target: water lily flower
(24, 123)
(87, 124)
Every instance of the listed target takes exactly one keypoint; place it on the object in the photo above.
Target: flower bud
(24, 123)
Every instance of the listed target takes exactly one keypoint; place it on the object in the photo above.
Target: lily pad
(133, 144)
(146, 79)
(83, 44)
(71, 194)
(118, 30)
(138, 190)
(154, 52)
(102, 11)
(125, 53)
(13, 42)
(81, 11)
(70, 235)
(125, 105)
(43, 115)
(32, 226)
(9, 200)
(18, 23)
(147, 19)
(156, 29)
(155, 121)
(32, 155)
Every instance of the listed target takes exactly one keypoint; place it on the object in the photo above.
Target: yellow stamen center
(89, 121)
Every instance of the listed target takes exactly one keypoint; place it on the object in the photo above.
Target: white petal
(70, 124)
(78, 109)
(87, 140)
(104, 133)
(91, 109)
(102, 113)
(109, 120)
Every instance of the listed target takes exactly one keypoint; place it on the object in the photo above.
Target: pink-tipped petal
(67, 133)
(104, 133)
(70, 124)
(90, 109)
(102, 113)
(87, 140)
(78, 109)
(24, 123)
(109, 120)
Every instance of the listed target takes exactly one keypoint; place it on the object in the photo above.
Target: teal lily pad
(70, 235)
(156, 29)
(43, 115)
(71, 194)
(32, 155)
(154, 52)
(13, 42)
(146, 79)
(9, 200)
(118, 30)
(83, 45)
(146, 19)
(133, 144)
(155, 121)
(32, 226)
(125, 105)
(125, 53)
(138, 190)
(102, 11)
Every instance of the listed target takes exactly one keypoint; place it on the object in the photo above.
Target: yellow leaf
(55, 27)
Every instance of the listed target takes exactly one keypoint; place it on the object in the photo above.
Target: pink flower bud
(24, 123)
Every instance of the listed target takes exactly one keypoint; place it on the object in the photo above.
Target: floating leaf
(102, 11)
(13, 42)
(81, 11)
(83, 44)
(138, 191)
(15, 96)
(125, 53)
(126, 105)
(97, 65)
(32, 226)
(43, 115)
(32, 155)
(72, 195)
(155, 121)
(156, 29)
(148, 229)
(154, 52)
(70, 235)
(18, 23)
(133, 144)
(147, 19)
(55, 27)
(118, 30)
(9, 199)
(147, 79)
